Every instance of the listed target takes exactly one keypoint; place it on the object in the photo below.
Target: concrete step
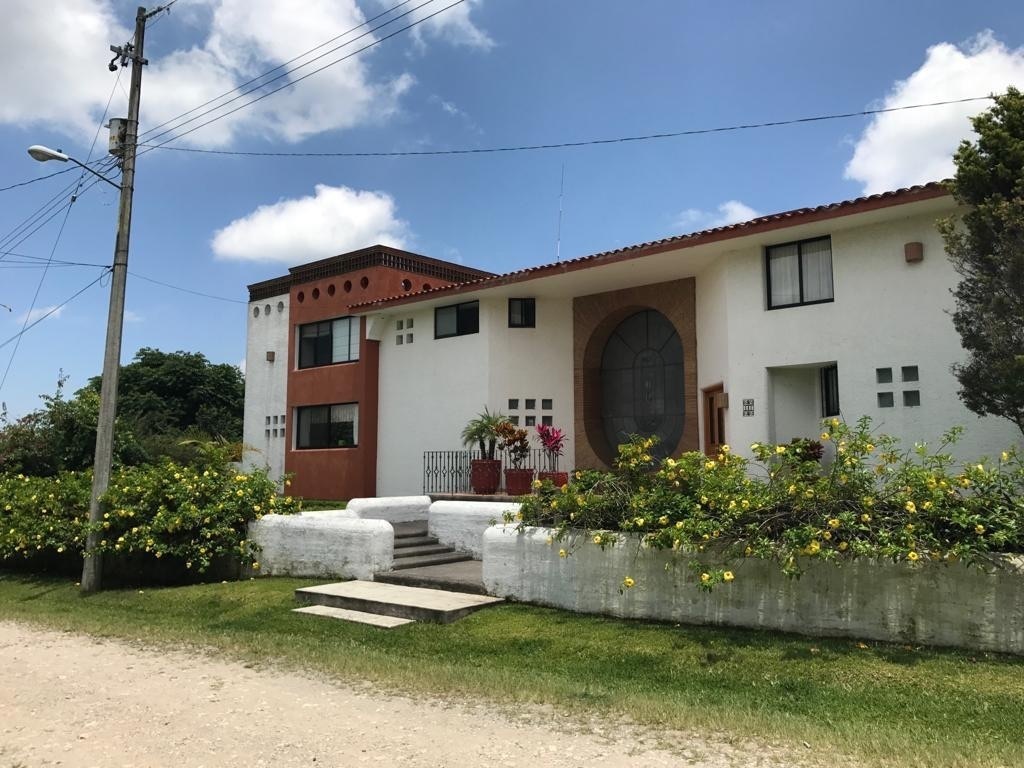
(408, 530)
(357, 617)
(395, 600)
(424, 549)
(466, 576)
(414, 541)
(451, 556)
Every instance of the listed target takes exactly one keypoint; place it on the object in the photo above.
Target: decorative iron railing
(448, 471)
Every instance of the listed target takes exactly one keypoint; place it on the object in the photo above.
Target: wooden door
(716, 401)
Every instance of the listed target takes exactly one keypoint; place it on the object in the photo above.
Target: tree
(170, 393)
(988, 253)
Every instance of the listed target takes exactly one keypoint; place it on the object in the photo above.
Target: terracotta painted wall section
(339, 473)
(595, 317)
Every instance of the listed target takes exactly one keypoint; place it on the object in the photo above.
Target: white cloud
(51, 313)
(333, 220)
(453, 25)
(914, 146)
(729, 212)
(131, 316)
(231, 41)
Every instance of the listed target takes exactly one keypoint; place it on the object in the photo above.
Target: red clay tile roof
(761, 224)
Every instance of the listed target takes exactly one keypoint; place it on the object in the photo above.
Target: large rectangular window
(457, 320)
(327, 426)
(329, 342)
(799, 273)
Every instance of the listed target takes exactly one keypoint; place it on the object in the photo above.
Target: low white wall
(343, 513)
(323, 546)
(461, 524)
(394, 509)
(932, 604)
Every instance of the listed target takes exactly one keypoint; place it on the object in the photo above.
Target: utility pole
(93, 566)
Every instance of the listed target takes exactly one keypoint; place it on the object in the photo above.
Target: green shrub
(873, 500)
(186, 513)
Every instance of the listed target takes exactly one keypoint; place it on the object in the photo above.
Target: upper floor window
(799, 273)
(457, 320)
(329, 342)
(522, 313)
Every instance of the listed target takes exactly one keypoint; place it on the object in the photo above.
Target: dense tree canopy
(987, 249)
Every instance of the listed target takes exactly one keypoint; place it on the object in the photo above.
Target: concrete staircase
(416, 548)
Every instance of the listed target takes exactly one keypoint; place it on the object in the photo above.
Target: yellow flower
(679, 524)
(1004, 456)
(965, 482)
(728, 576)
(537, 483)
(825, 437)
(912, 556)
(597, 538)
(842, 546)
(580, 501)
(780, 449)
(725, 448)
(240, 492)
(827, 535)
(754, 446)
(869, 447)
(709, 465)
(748, 551)
(663, 520)
(638, 521)
(703, 499)
(792, 490)
(628, 582)
(835, 422)
(909, 527)
(865, 518)
(910, 507)
(745, 504)
(979, 529)
(562, 553)
(255, 566)
(705, 578)
(926, 505)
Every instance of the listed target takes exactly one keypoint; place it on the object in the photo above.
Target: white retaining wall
(461, 524)
(933, 604)
(323, 546)
(394, 509)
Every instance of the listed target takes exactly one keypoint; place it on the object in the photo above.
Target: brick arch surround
(595, 317)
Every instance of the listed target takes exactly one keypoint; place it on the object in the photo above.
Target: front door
(716, 401)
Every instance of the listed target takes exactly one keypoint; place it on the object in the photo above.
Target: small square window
(885, 400)
(400, 324)
(408, 338)
(883, 375)
(275, 419)
(531, 421)
(408, 323)
(830, 390)
(268, 420)
(514, 420)
(522, 313)
(911, 398)
(282, 418)
(273, 433)
(267, 433)
(909, 372)
(547, 421)
(399, 339)
(513, 403)
(546, 404)
(531, 404)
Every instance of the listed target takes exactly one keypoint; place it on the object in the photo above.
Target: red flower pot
(485, 476)
(558, 479)
(518, 482)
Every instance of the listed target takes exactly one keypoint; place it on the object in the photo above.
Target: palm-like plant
(483, 431)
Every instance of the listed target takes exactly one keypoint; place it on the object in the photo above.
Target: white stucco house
(749, 332)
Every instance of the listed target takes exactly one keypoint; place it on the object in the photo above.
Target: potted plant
(552, 440)
(515, 443)
(482, 431)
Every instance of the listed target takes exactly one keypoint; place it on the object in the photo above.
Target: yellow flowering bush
(191, 515)
(873, 500)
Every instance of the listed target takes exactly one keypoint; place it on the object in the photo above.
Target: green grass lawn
(880, 704)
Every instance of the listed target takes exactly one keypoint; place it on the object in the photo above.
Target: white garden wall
(394, 509)
(949, 605)
(461, 524)
(323, 546)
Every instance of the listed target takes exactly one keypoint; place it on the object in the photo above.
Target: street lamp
(42, 154)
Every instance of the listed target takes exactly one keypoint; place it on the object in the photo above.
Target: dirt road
(71, 700)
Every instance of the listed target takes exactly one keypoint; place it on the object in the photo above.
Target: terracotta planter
(558, 479)
(518, 482)
(485, 476)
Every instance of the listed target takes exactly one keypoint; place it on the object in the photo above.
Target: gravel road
(72, 700)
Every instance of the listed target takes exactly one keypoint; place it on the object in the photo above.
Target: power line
(275, 69)
(57, 308)
(291, 83)
(185, 290)
(570, 144)
(38, 178)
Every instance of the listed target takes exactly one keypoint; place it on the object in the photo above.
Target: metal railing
(448, 471)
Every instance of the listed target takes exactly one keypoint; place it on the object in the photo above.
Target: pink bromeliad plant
(552, 440)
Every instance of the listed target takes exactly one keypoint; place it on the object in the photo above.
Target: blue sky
(485, 73)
